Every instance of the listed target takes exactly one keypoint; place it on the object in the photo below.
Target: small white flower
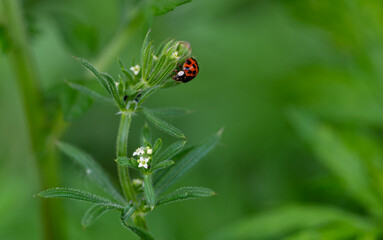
(117, 83)
(175, 55)
(135, 69)
(149, 150)
(143, 162)
(155, 57)
(139, 151)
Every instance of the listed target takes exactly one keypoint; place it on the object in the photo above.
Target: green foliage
(170, 151)
(334, 153)
(163, 6)
(144, 235)
(89, 93)
(73, 104)
(92, 169)
(162, 125)
(93, 213)
(75, 194)
(291, 220)
(186, 163)
(162, 165)
(185, 193)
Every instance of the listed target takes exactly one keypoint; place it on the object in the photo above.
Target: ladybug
(189, 71)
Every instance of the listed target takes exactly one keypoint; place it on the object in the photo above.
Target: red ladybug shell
(189, 70)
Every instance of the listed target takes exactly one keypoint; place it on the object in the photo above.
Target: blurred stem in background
(42, 144)
(43, 135)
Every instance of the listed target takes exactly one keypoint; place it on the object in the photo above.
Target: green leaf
(114, 90)
(104, 83)
(147, 53)
(75, 194)
(169, 152)
(89, 93)
(342, 160)
(143, 234)
(150, 195)
(147, 93)
(127, 213)
(171, 112)
(162, 165)
(126, 162)
(185, 193)
(73, 103)
(162, 125)
(92, 168)
(94, 213)
(146, 136)
(157, 146)
(163, 6)
(186, 163)
(276, 224)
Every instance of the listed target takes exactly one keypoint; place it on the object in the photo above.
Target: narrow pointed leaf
(127, 213)
(162, 125)
(171, 112)
(170, 151)
(147, 93)
(177, 157)
(150, 195)
(143, 234)
(186, 163)
(92, 169)
(161, 7)
(89, 93)
(185, 193)
(73, 103)
(162, 165)
(100, 78)
(75, 194)
(157, 145)
(146, 136)
(94, 213)
(113, 90)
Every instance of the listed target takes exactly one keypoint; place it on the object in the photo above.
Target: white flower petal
(135, 69)
(175, 55)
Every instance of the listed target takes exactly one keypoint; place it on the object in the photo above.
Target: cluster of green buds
(138, 82)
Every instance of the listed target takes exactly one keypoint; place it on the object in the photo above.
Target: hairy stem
(122, 151)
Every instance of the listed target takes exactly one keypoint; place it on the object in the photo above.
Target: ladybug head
(180, 76)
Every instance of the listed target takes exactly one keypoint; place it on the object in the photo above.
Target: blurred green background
(296, 85)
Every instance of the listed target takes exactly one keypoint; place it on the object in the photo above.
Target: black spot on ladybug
(193, 72)
(188, 61)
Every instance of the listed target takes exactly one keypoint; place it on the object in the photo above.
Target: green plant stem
(122, 151)
(27, 78)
